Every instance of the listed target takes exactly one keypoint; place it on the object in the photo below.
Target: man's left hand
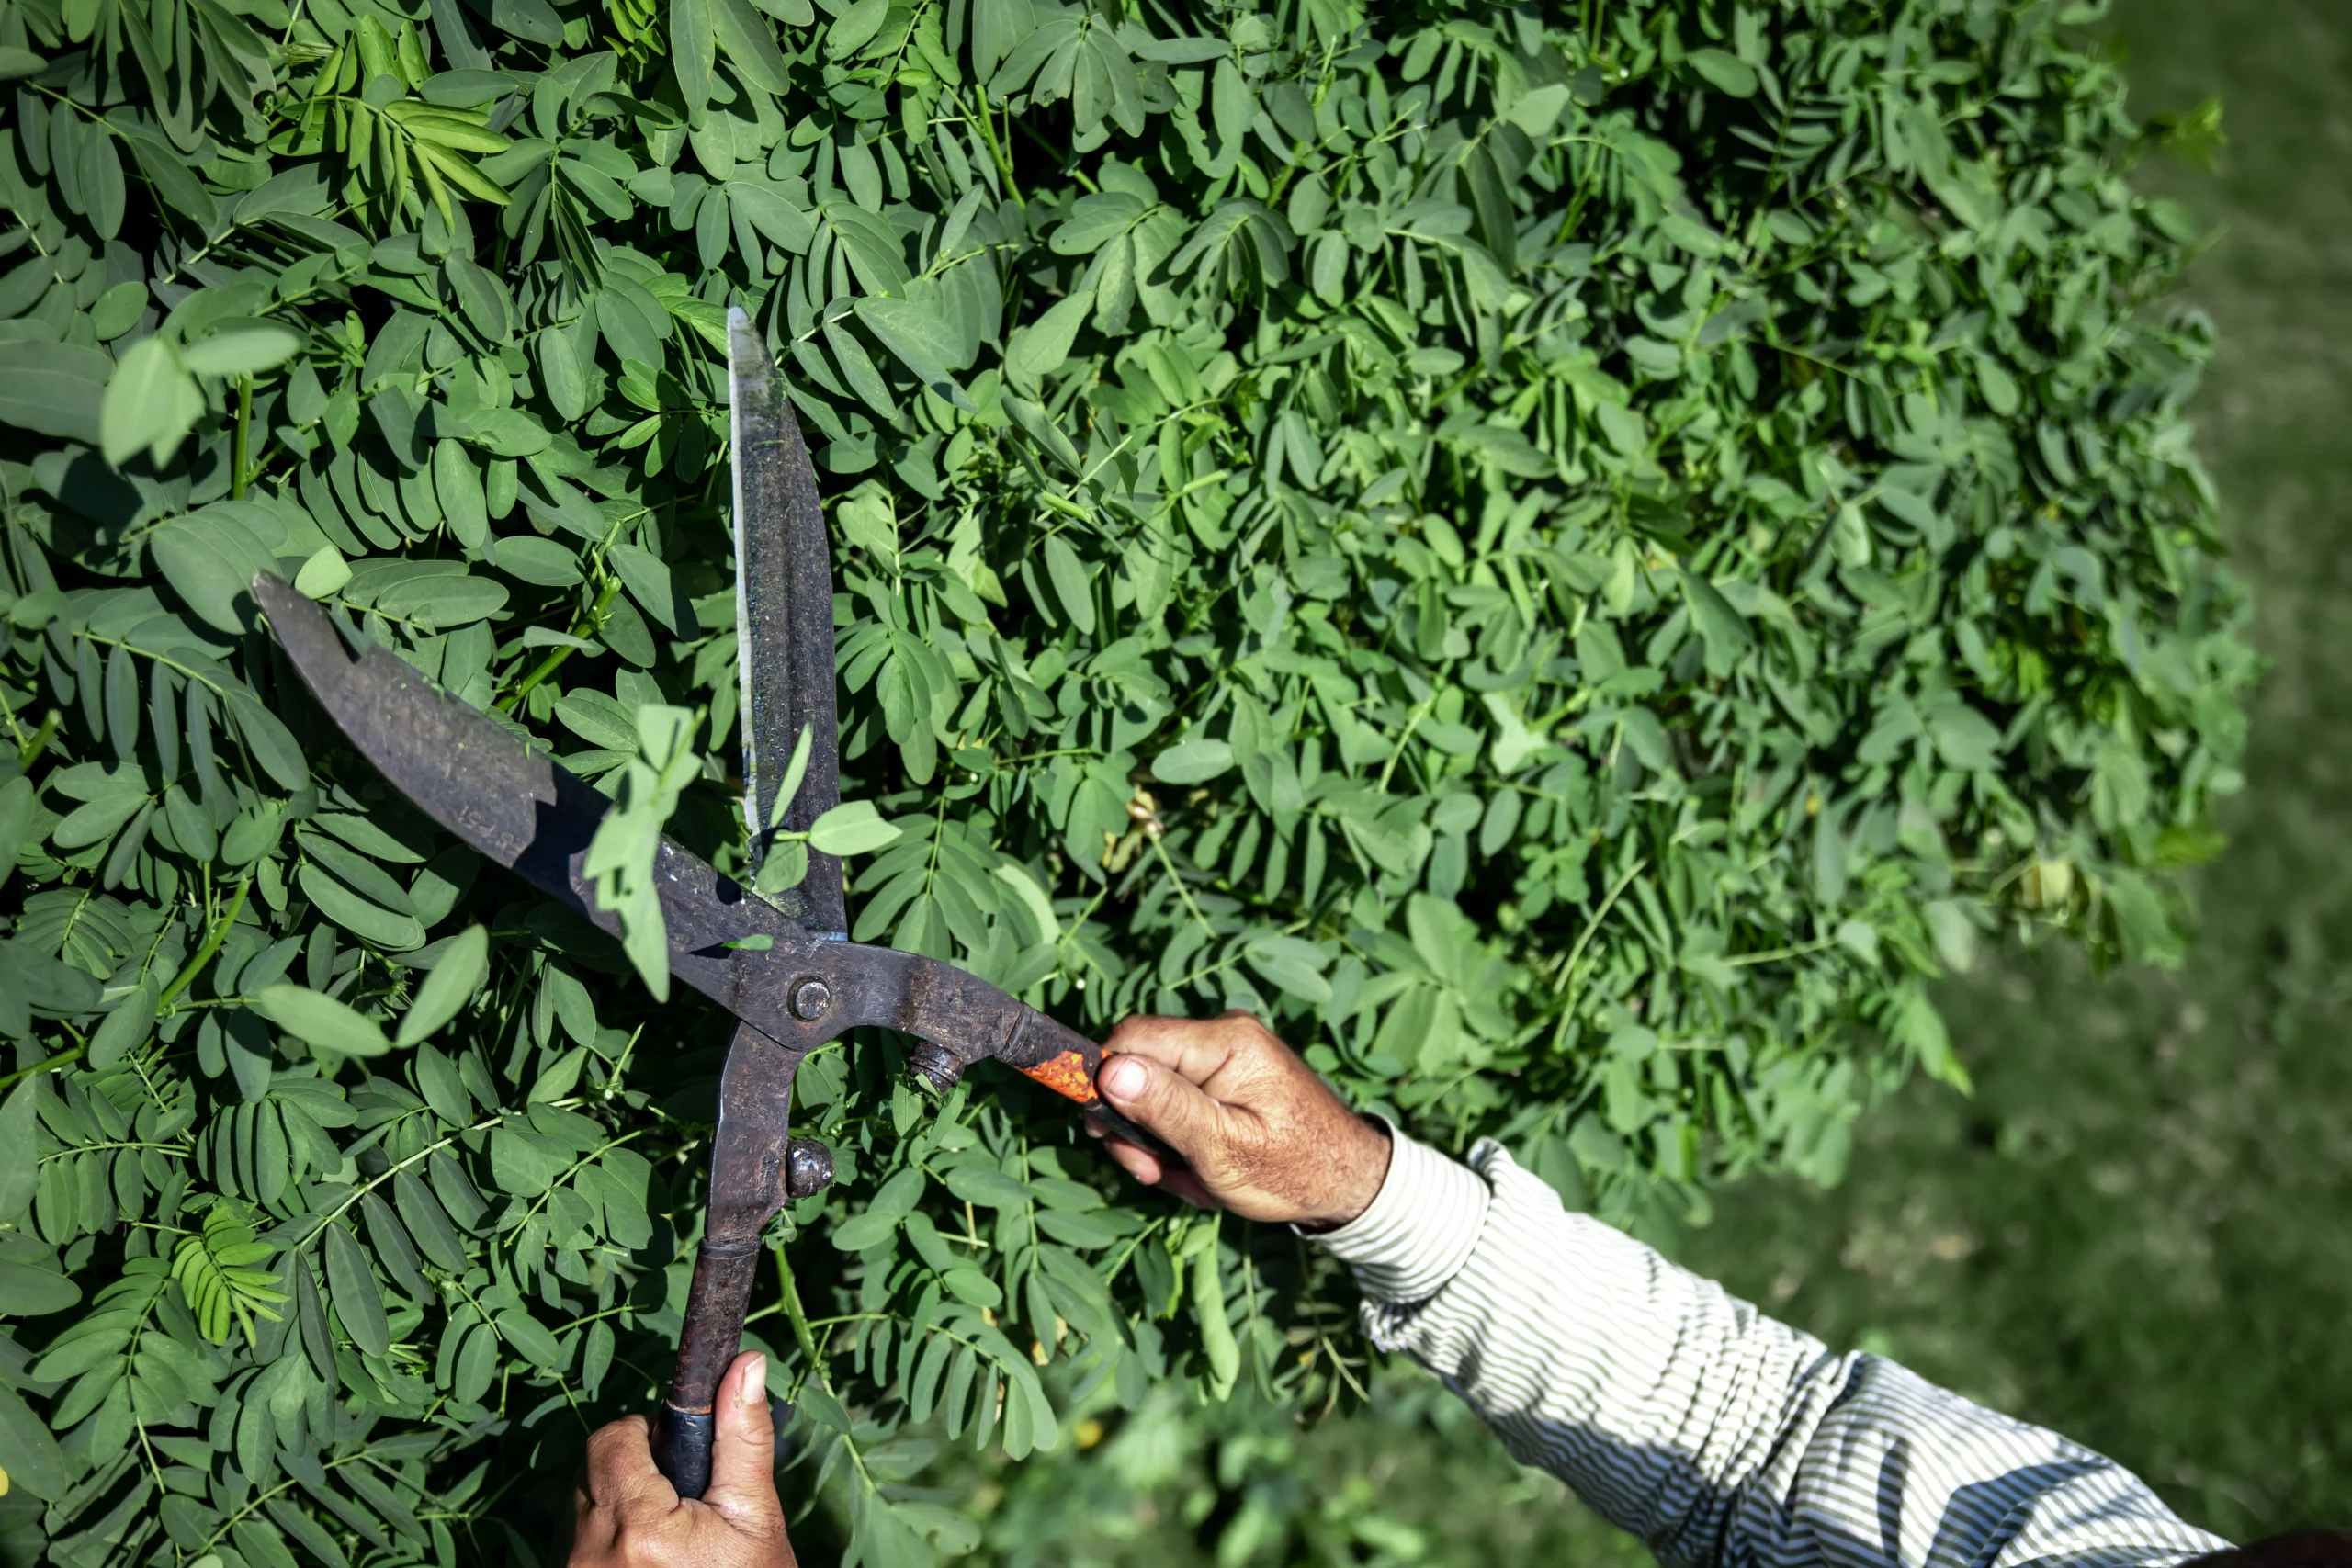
(626, 1515)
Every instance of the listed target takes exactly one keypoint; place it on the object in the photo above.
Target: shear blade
(515, 806)
(512, 802)
(784, 622)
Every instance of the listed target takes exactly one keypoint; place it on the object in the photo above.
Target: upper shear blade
(783, 622)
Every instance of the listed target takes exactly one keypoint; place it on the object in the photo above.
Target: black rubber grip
(1120, 1126)
(682, 1440)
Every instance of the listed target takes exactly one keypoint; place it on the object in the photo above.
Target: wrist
(1362, 1171)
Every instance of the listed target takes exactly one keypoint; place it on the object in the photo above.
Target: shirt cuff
(1420, 1230)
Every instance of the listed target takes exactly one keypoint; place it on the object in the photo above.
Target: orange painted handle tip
(1065, 1075)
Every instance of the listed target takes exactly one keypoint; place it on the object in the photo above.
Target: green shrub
(1572, 558)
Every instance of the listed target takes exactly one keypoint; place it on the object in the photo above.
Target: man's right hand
(1260, 1133)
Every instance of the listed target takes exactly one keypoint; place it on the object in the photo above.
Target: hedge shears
(797, 989)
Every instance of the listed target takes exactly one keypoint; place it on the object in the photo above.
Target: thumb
(1150, 1094)
(742, 1460)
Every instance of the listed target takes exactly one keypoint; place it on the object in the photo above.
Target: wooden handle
(714, 1331)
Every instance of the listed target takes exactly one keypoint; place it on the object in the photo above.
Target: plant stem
(29, 752)
(555, 656)
(1160, 848)
(795, 1314)
(63, 1059)
(997, 149)
(244, 440)
(188, 971)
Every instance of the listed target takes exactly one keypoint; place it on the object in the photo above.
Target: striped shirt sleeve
(1718, 1436)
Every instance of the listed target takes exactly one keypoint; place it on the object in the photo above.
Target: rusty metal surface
(714, 1321)
(520, 809)
(750, 1149)
(784, 621)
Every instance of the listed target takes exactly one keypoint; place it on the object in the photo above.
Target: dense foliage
(1571, 557)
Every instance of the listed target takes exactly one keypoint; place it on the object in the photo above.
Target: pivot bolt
(934, 1065)
(808, 1167)
(810, 998)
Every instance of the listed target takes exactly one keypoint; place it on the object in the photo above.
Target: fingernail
(755, 1383)
(1123, 1078)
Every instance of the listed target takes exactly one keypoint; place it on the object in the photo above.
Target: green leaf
(129, 1026)
(851, 828)
(323, 575)
(988, 1189)
(455, 976)
(1072, 584)
(1218, 1347)
(1723, 629)
(543, 563)
(149, 404)
(1296, 966)
(19, 1173)
(519, 1165)
(242, 348)
(1092, 222)
(1193, 761)
(1540, 108)
(530, 1338)
(693, 45)
(1037, 351)
(648, 579)
(773, 215)
(858, 1233)
(102, 187)
(319, 1020)
(210, 559)
(921, 340)
(1965, 739)
(1727, 72)
(457, 486)
(16, 806)
(395, 930)
(28, 1455)
(479, 297)
(565, 379)
(121, 702)
(1999, 387)
(351, 1288)
(117, 309)
(30, 1292)
(794, 771)
(269, 742)
(53, 388)
(749, 45)
(438, 1079)
(621, 857)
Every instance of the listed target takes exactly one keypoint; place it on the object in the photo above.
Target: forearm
(1690, 1418)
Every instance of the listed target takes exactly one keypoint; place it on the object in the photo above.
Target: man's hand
(626, 1515)
(1262, 1134)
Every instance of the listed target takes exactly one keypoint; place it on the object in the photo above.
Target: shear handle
(1068, 1063)
(686, 1424)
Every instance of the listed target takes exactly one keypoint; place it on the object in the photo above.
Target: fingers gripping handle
(684, 1430)
(1067, 1062)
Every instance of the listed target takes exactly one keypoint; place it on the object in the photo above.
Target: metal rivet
(809, 1167)
(809, 999)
